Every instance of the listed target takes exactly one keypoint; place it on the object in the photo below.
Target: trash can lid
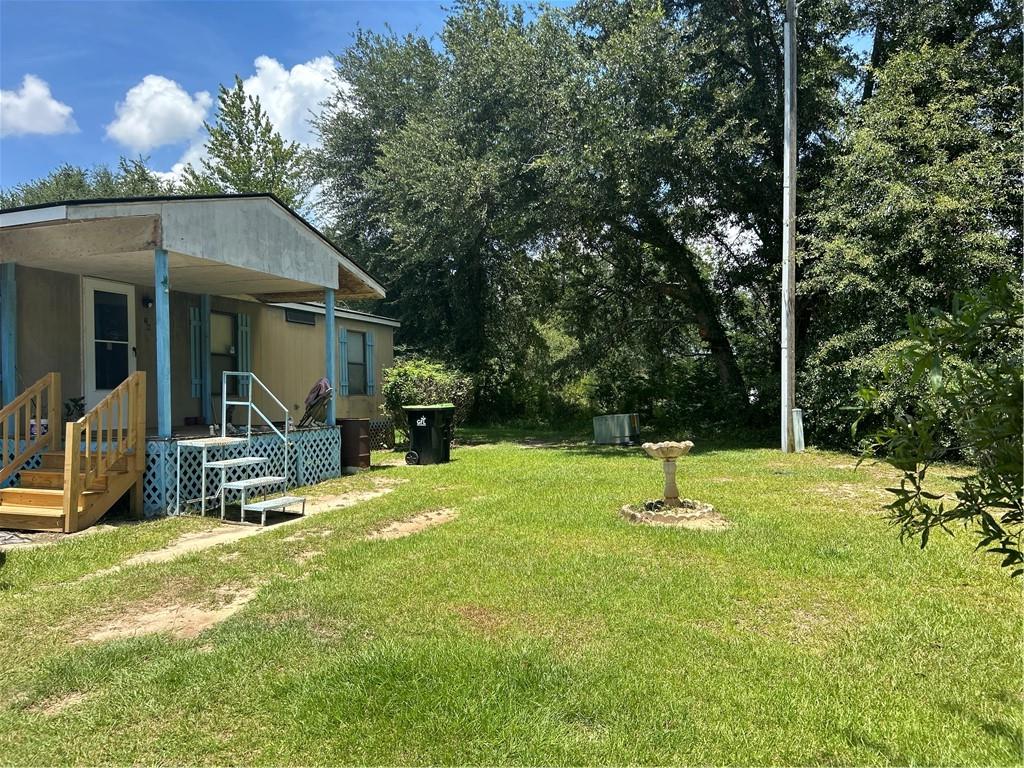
(434, 407)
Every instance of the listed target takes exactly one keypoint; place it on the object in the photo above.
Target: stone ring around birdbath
(670, 510)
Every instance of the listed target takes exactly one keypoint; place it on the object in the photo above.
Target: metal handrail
(250, 406)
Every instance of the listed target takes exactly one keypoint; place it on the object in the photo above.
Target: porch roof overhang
(228, 245)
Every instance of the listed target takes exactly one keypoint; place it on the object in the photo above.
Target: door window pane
(110, 316)
(111, 364)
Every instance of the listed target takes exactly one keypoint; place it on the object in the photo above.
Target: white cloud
(193, 156)
(158, 111)
(34, 110)
(292, 96)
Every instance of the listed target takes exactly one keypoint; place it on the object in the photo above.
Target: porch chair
(316, 404)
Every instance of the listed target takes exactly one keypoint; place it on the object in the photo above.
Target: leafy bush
(422, 382)
(969, 359)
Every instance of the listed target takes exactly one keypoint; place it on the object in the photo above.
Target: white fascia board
(345, 314)
(33, 216)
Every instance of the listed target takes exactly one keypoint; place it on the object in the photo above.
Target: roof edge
(345, 260)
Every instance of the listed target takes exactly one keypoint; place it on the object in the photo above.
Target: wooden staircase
(103, 457)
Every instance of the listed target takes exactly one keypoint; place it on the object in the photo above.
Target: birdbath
(668, 452)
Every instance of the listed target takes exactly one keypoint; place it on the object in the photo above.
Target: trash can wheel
(412, 458)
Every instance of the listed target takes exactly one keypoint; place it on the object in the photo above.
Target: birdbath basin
(668, 452)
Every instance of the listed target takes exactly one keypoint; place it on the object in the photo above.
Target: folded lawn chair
(316, 404)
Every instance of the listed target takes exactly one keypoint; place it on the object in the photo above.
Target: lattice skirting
(33, 462)
(315, 456)
(382, 433)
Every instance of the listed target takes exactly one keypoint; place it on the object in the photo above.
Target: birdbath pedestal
(668, 452)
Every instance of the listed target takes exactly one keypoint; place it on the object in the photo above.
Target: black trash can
(430, 433)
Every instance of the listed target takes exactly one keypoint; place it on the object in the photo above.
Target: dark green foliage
(924, 202)
(422, 382)
(131, 178)
(969, 360)
(422, 162)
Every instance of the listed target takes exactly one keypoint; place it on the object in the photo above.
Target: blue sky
(162, 63)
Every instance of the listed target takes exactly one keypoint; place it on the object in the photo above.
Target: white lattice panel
(314, 456)
(9, 453)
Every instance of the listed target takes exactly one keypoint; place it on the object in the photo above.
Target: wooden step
(55, 460)
(54, 478)
(24, 518)
(52, 498)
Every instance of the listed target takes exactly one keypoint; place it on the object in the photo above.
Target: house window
(300, 316)
(356, 363)
(223, 350)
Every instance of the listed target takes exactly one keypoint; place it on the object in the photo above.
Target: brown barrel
(355, 445)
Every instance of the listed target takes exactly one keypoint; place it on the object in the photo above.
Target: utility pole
(789, 233)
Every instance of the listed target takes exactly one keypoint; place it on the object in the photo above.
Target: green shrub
(969, 360)
(422, 382)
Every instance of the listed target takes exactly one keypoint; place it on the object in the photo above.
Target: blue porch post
(8, 332)
(330, 351)
(163, 344)
(206, 391)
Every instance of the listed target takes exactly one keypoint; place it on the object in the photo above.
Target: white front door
(108, 336)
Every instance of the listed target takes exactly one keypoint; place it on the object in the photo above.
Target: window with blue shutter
(343, 341)
(371, 387)
(244, 350)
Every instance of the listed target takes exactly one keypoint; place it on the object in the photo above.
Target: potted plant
(74, 408)
(36, 427)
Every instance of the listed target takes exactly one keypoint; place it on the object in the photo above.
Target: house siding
(281, 348)
(49, 323)
(287, 357)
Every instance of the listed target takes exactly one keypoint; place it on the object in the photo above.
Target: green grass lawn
(536, 627)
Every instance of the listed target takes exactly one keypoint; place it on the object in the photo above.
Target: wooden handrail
(119, 424)
(16, 418)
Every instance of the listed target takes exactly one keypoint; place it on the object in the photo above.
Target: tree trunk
(699, 297)
(877, 54)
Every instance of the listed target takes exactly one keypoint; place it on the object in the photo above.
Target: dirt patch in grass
(383, 481)
(52, 706)
(410, 525)
(305, 556)
(178, 619)
(307, 533)
(481, 618)
(317, 504)
(814, 624)
(183, 545)
(874, 497)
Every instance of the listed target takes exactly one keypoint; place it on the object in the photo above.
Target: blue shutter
(343, 335)
(195, 334)
(370, 381)
(244, 351)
